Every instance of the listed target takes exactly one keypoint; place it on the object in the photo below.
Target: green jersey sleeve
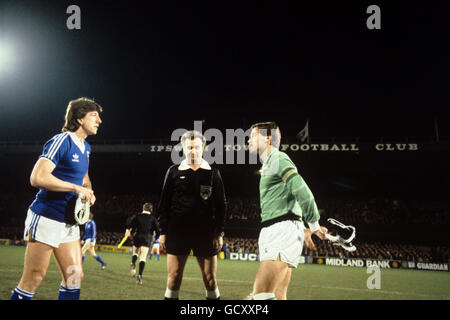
(298, 188)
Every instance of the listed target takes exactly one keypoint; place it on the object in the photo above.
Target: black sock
(133, 260)
(141, 267)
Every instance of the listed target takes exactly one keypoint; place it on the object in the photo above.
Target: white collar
(77, 141)
(184, 166)
(148, 212)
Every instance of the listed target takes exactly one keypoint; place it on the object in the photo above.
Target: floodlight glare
(6, 57)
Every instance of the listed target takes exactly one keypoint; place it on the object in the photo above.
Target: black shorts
(180, 242)
(142, 240)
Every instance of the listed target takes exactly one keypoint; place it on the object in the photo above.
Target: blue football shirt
(71, 158)
(90, 230)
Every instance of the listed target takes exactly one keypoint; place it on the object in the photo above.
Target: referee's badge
(205, 192)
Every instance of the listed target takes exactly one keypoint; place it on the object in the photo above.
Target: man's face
(193, 150)
(257, 142)
(91, 122)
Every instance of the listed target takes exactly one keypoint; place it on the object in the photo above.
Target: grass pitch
(235, 278)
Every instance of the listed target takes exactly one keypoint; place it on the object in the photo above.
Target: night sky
(156, 66)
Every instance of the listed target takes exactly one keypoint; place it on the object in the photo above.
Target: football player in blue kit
(88, 242)
(155, 248)
(61, 174)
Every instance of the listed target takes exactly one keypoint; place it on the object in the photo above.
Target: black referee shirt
(143, 224)
(192, 199)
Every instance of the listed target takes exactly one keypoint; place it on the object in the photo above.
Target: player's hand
(321, 233)
(93, 199)
(89, 194)
(217, 242)
(162, 242)
(308, 240)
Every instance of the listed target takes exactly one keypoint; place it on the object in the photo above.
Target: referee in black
(141, 226)
(191, 216)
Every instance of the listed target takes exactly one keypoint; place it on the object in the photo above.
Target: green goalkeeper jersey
(282, 190)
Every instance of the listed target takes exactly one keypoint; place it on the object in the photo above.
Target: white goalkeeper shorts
(156, 246)
(283, 239)
(49, 231)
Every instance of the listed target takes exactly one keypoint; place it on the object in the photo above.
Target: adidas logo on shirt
(75, 158)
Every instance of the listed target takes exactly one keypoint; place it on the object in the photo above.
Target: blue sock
(82, 259)
(68, 293)
(19, 294)
(157, 257)
(100, 260)
(150, 256)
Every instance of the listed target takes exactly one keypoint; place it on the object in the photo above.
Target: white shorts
(89, 240)
(283, 238)
(156, 246)
(49, 231)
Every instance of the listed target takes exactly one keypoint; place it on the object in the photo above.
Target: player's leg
(134, 257)
(157, 253)
(175, 268)
(151, 253)
(208, 267)
(84, 248)
(280, 247)
(91, 250)
(37, 259)
(95, 255)
(142, 258)
(282, 287)
(68, 259)
(269, 275)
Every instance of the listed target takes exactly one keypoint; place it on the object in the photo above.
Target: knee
(37, 275)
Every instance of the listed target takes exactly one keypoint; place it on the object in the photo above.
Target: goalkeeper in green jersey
(286, 201)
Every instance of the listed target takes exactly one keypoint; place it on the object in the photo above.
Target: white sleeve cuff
(314, 226)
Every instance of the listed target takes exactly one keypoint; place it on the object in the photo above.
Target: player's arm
(42, 177)
(163, 207)
(303, 195)
(88, 185)
(220, 206)
(156, 229)
(94, 230)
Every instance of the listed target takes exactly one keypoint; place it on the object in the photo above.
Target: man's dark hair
(270, 129)
(77, 109)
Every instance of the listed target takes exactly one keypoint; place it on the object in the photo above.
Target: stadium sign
(305, 147)
(109, 248)
(243, 256)
(252, 257)
(425, 266)
(5, 242)
(432, 266)
(383, 264)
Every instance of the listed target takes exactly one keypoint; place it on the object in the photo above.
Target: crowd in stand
(380, 251)
(364, 211)
(382, 211)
